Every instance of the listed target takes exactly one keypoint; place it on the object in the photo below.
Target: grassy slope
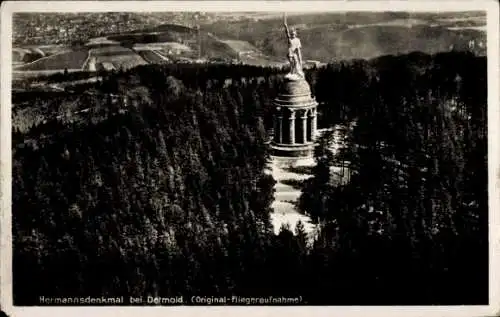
(213, 48)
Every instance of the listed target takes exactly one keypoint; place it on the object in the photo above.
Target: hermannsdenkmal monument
(295, 113)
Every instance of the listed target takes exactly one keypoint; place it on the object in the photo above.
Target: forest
(162, 191)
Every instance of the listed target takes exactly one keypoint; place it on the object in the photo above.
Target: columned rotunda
(295, 119)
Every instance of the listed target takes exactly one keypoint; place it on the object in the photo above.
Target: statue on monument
(294, 53)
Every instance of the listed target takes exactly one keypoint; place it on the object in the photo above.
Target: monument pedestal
(296, 150)
(295, 119)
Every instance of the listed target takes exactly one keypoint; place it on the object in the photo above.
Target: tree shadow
(300, 169)
(295, 203)
(297, 184)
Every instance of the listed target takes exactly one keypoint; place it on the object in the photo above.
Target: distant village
(65, 28)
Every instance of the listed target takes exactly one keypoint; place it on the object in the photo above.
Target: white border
(492, 9)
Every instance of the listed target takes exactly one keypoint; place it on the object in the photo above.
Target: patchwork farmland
(340, 36)
(163, 44)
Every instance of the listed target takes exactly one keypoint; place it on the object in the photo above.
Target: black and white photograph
(279, 155)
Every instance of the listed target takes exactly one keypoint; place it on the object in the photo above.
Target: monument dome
(294, 93)
(296, 87)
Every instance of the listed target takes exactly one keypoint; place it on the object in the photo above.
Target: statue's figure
(294, 52)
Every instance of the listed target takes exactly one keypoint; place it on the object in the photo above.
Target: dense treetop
(152, 182)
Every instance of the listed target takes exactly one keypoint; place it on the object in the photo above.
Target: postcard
(250, 157)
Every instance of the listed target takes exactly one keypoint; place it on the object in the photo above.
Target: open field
(30, 53)
(53, 49)
(123, 61)
(119, 56)
(240, 46)
(111, 50)
(42, 49)
(60, 61)
(173, 46)
(152, 57)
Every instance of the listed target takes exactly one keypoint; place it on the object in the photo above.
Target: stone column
(304, 127)
(280, 129)
(314, 123)
(275, 128)
(292, 127)
(311, 126)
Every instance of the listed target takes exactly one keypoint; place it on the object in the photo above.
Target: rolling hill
(259, 39)
(372, 41)
(358, 35)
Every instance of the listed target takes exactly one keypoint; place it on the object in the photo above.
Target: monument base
(292, 150)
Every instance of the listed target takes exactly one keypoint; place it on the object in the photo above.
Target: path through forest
(288, 172)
